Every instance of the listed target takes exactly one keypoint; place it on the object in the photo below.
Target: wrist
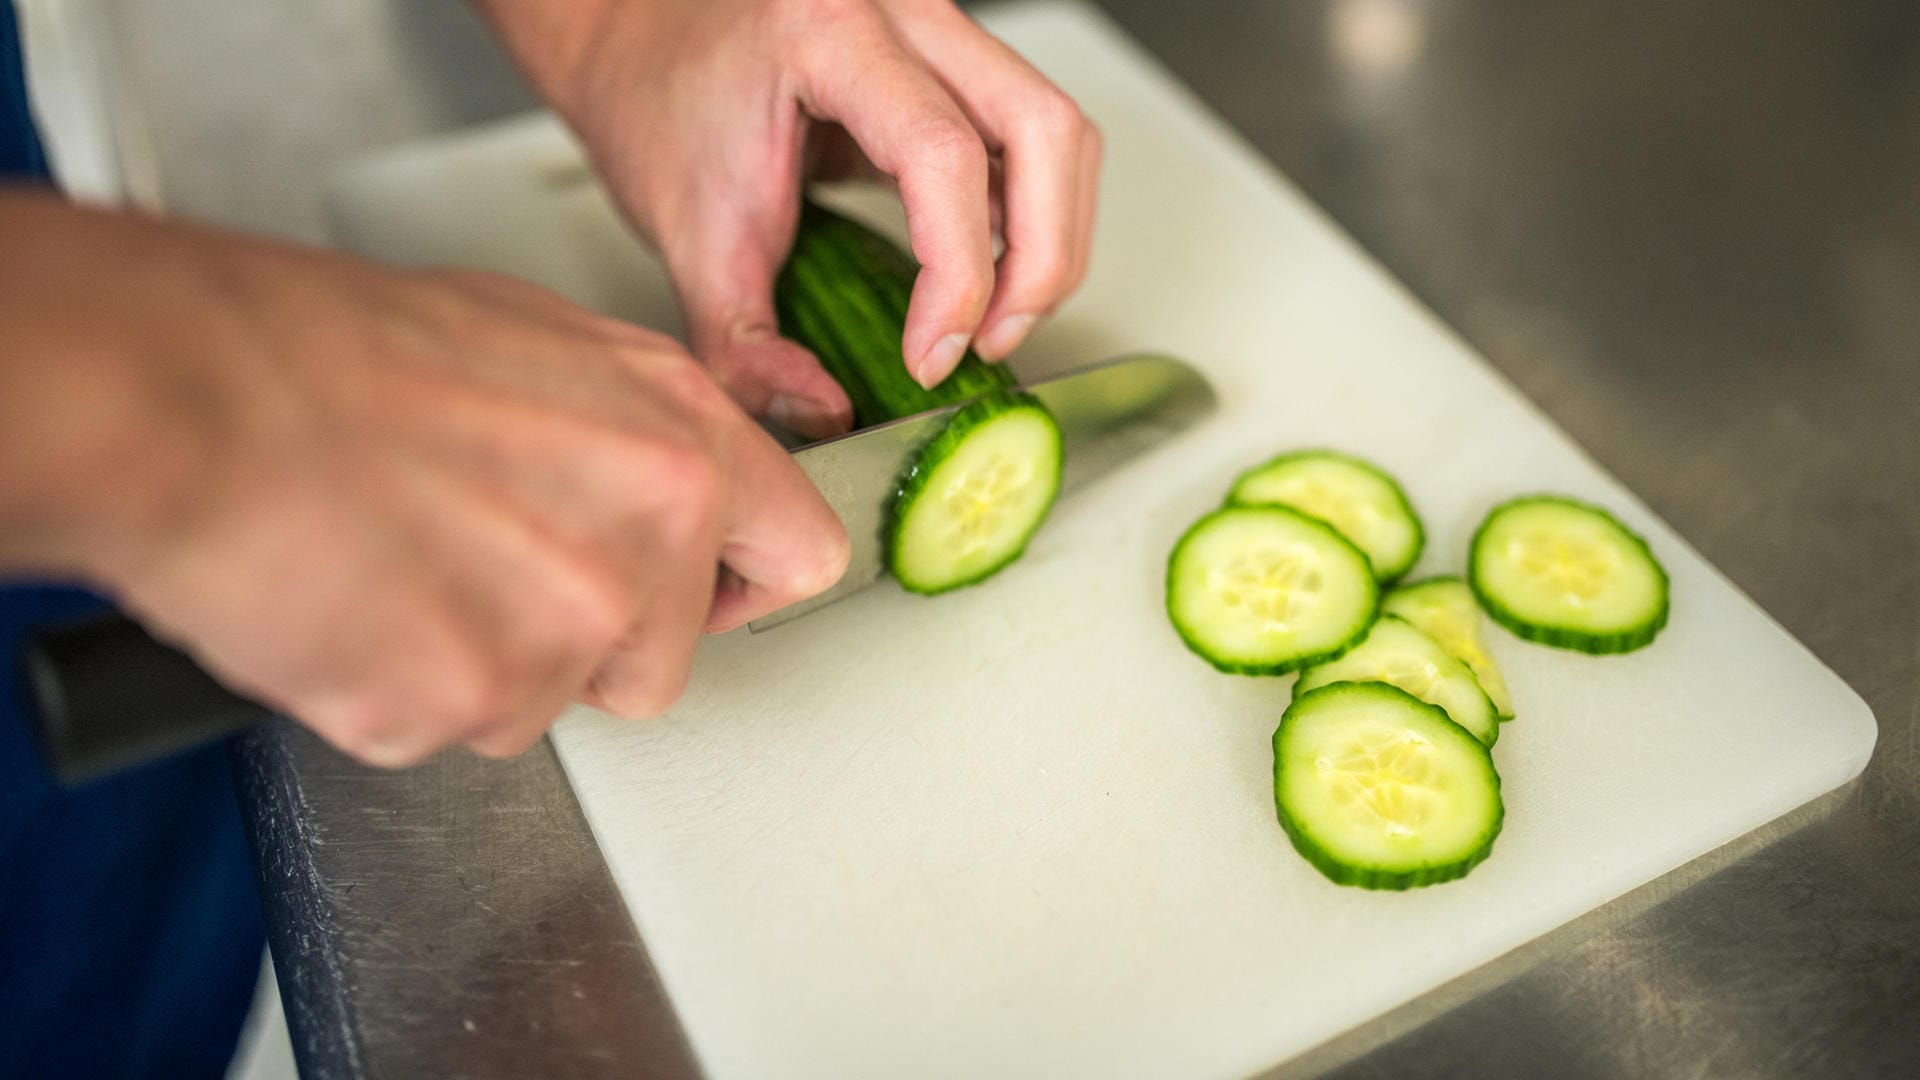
(98, 431)
(549, 42)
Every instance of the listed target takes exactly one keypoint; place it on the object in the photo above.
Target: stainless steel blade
(1109, 413)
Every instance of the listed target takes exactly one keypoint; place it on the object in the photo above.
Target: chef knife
(103, 694)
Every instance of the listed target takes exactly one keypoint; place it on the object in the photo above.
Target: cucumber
(1568, 574)
(843, 294)
(1264, 590)
(1399, 655)
(970, 499)
(1379, 789)
(1354, 496)
(975, 494)
(1444, 609)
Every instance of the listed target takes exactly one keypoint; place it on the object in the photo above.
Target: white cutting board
(1019, 831)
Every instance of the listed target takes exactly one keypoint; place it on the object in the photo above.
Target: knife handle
(103, 694)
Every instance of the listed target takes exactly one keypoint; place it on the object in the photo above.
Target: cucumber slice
(1354, 496)
(1264, 590)
(1566, 573)
(976, 494)
(1399, 655)
(1444, 609)
(1379, 789)
(973, 496)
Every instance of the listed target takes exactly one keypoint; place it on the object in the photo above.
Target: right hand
(408, 508)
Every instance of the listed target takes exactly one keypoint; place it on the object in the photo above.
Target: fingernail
(1006, 336)
(940, 360)
(803, 416)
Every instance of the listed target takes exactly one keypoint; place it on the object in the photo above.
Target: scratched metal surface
(1690, 232)
(458, 922)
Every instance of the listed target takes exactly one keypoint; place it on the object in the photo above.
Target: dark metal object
(107, 695)
(501, 947)
(1687, 231)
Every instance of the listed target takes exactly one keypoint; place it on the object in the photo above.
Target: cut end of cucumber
(1264, 590)
(1357, 498)
(976, 494)
(1568, 574)
(1380, 790)
(1396, 653)
(1444, 609)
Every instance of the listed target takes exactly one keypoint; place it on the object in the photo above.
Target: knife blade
(1109, 413)
(104, 694)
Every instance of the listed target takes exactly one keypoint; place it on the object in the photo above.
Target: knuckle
(349, 725)
(596, 606)
(370, 731)
(1047, 274)
(835, 553)
(950, 146)
(1055, 116)
(640, 692)
(675, 474)
(839, 557)
(678, 521)
(688, 478)
(400, 715)
(812, 13)
(599, 616)
(1094, 140)
(506, 744)
(971, 283)
(446, 688)
(818, 568)
(974, 296)
(390, 756)
(662, 690)
(465, 698)
(820, 31)
(692, 391)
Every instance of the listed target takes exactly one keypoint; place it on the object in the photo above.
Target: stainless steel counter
(1691, 232)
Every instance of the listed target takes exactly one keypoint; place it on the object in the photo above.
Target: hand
(704, 115)
(408, 508)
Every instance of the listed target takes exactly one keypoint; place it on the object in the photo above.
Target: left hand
(705, 116)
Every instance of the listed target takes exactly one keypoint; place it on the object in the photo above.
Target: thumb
(726, 294)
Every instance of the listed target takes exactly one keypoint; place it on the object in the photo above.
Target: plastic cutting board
(1019, 831)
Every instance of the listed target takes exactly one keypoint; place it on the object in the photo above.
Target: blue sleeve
(130, 931)
(20, 153)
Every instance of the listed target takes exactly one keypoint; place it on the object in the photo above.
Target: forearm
(547, 40)
(91, 434)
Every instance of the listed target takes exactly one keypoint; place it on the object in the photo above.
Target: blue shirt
(130, 932)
